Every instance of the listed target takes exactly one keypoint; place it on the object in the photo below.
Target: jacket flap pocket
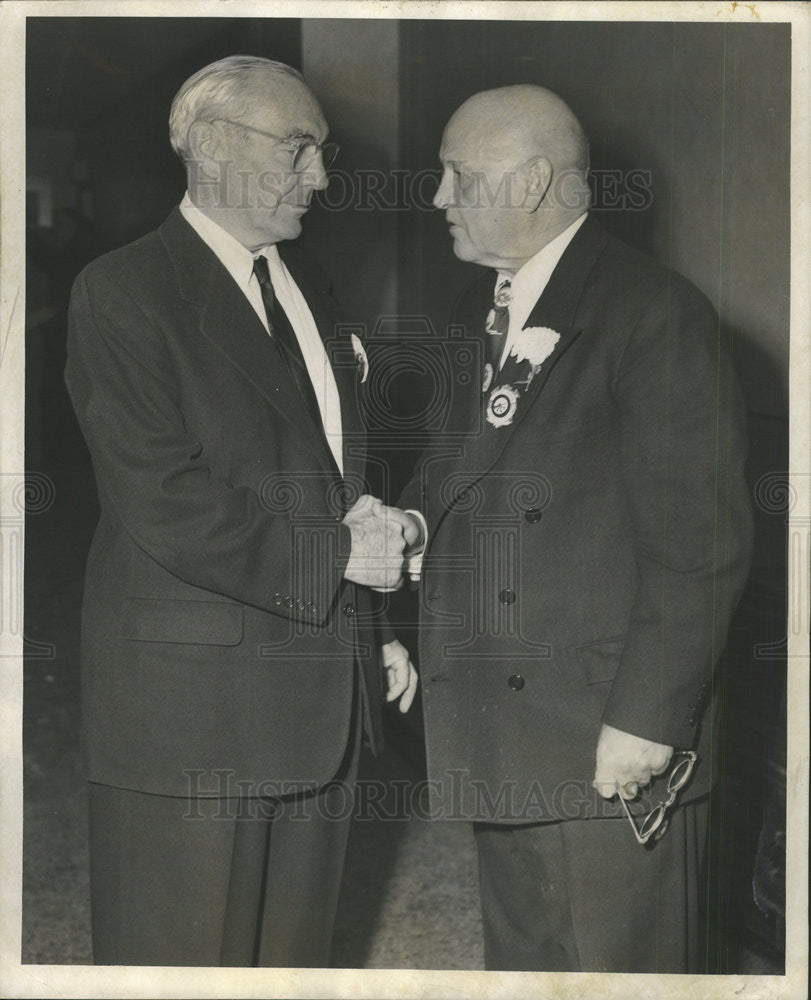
(208, 623)
(599, 660)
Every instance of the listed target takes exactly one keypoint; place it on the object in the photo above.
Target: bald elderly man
(229, 651)
(586, 534)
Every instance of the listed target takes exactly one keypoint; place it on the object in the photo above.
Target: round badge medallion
(502, 405)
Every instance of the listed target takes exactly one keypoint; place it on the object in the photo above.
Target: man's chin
(463, 249)
(290, 229)
(293, 229)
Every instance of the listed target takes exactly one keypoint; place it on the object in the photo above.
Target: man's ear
(539, 177)
(204, 146)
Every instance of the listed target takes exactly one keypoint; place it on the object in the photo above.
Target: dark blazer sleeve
(413, 494)
(683, 449)
(151, 471)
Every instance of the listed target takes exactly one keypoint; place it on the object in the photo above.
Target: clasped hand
(381, 538)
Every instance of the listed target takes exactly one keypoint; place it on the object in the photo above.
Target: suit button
(516, 682)
(507, 597)
(692, 719)
(278, 600)
(533, 515)
(289, 602)
(349, 610)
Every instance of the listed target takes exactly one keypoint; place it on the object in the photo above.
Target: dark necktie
(285, 339)
(498, 323)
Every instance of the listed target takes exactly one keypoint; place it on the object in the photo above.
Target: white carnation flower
(534, 344)
(360, 357)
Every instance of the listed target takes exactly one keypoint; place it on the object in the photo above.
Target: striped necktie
(498, 323)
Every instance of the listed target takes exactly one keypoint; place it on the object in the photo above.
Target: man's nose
(444, 195)
(315, 175)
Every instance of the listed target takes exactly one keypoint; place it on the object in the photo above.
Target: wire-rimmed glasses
(303, 147)
(656, 821)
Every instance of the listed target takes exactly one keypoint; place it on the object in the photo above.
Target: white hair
(221, 89)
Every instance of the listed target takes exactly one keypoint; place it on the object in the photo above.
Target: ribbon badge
(501, 405)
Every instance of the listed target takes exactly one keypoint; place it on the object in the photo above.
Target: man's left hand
(412, 528)
(626, 762)
(401, 675)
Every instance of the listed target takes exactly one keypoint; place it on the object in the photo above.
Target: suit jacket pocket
(210, 623)
(599, 660)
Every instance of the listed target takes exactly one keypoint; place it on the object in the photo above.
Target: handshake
(382, 539)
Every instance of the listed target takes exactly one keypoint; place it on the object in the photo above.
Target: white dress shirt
(238, 261)
(528, 283)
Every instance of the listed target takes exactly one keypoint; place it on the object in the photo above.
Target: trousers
(219, 881)
(584, 896)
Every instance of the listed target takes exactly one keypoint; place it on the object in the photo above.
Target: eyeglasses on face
(304, 148)
(656, 821)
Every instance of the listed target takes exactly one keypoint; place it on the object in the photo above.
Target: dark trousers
(196, 882)
(584, 896)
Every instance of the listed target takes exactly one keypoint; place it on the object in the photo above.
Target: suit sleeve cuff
(414, 560)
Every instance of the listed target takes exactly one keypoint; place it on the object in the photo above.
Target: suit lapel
(229, 323)
(556, 309)
(341, 356)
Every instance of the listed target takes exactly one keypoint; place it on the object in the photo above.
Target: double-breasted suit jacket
(219, 634)
(584, 557)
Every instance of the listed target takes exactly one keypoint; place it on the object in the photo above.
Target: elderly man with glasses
(230, 654)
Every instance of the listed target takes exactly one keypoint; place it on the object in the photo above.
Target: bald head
(515, 162)
(521, 122)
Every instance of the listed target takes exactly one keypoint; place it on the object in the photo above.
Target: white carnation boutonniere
(360, 358)
(534, 344)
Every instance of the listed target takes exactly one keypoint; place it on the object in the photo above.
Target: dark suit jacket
(218, 631)
(583, 561)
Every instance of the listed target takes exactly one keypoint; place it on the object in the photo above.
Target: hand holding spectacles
(625, 763)
(656, 820)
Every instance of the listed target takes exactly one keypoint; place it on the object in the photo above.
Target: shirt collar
(528, 283)
(236, 258)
